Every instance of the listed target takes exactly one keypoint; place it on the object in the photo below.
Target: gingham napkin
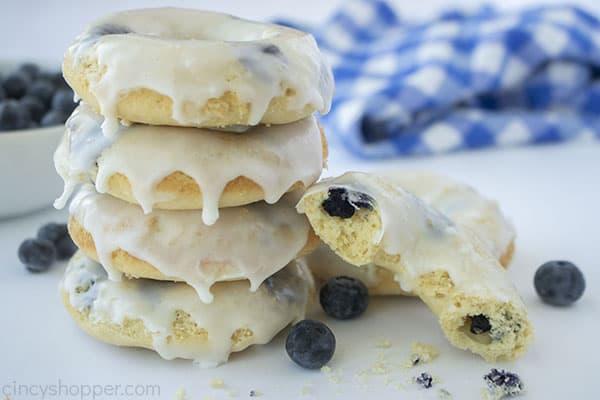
(463, 80)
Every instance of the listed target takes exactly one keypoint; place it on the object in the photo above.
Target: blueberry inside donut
(480, 324)
(110, 29)
(343, 203)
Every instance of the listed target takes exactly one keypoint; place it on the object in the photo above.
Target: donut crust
(386, 284)
(149, 107)
(134, 267)
(184, 193)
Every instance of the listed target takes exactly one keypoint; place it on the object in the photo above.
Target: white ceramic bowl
(28, 180)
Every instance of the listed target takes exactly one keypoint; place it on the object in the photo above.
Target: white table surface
(550, 192)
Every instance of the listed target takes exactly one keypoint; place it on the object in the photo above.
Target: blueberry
(15, 85)
(310, 344)
(32, 71)
(43, 90)
(52, 232)
(59, 236)
(271, 49)
(53, 118)
(63, 101)
(480, 324)
(506, 382)
(35, 107)
(344, 297)
(65, 248)
(559, 283)
(37, 254)
(13, 116)
(424, 379)
(342, 203)
(110, 29)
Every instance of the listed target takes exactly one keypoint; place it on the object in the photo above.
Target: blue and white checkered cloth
(464, 80)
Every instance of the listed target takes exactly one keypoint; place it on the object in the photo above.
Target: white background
(550, 192)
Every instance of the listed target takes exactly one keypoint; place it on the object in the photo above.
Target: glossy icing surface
(248, 242)
(192, 56)
(274, 157)
(281, 300)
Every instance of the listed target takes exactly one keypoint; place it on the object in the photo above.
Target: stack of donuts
(194, 135)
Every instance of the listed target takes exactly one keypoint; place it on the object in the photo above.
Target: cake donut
(367, 219)
(188, 168)
(459, 202)
(182, 67)
(169, 318)
(248, 242)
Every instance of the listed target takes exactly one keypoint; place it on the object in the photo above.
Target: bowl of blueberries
(34, 104)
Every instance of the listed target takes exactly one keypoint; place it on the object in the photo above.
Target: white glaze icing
(274, 157)
(192, 56)
(248, 242)
(461, 203)
(426, 239)
(281, 300)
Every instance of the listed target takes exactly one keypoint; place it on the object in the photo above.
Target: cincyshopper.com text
(61, 390)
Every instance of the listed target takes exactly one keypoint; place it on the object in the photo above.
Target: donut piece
(169, 318)
(371, 219)
(181, 67)
(248, 242)
(190, 168)
(460, 202)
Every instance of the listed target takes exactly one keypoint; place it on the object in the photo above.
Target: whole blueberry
(52, 231)
(59, 236)
(15, 85)
(53, 118)
(13, 116)
(35, 107)
(344, 297)
(559, 283)
(43, 90)
(343, 203)
(65, 248)
(310, 344)
(63, 101)
(37, 254)
(31, 70)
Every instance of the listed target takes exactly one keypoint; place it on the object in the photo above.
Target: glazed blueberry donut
(165, 167)
(370, 219)
(248, 242)
(170, 319)
(181, 67)
(460, 202)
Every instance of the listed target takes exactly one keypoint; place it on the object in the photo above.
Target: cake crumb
(335, 379)
(387, 380)
(254, 393)
(231, 393)
(325, 369)
(421, 353)
(383, 344)
(180, 394)
(307, 389)
(217, 384)
(443, 394)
